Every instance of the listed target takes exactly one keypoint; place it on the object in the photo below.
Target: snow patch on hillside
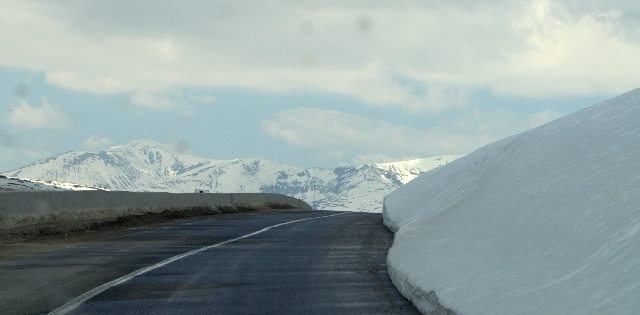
(22, 184)
(544, 222)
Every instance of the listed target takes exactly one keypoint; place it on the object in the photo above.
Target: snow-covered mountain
(544, 222)
(151, 166)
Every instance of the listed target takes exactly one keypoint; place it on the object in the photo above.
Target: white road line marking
(71, 305)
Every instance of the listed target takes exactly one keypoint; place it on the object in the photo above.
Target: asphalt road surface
(323, 262)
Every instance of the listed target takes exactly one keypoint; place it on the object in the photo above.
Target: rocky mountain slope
(151, 166)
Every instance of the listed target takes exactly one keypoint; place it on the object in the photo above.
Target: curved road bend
(329, 265)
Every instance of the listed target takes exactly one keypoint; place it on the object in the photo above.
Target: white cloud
(149, 100)
(439, 49)
(354, 138)
(380, 158)
(97, 143)
(47, 116)
(571, 54)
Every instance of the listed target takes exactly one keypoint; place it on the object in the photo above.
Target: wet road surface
(332, 264)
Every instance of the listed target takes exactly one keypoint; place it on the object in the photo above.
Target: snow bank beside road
(545, 222)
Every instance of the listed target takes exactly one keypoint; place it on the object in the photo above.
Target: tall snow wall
(69, 210)
(544, 222)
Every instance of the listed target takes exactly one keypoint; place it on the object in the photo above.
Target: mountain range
(152, 166)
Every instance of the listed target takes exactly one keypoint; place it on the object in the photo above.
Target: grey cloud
(624, 14)
(628, 8)
(201, 16)
(347, 47)
(629, 20)
(154, 17)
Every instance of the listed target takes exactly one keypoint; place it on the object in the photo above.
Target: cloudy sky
(310, 83)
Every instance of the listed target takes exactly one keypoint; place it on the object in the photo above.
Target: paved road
(329, 265)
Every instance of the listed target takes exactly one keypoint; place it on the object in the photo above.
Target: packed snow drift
(544, 222)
